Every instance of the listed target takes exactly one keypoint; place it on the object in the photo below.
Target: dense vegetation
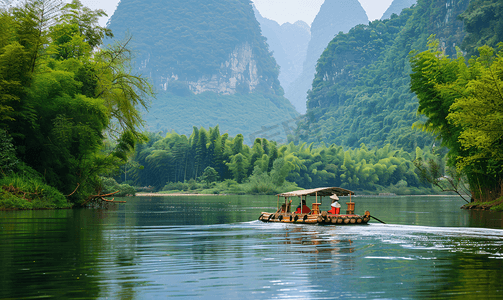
(70, 119)
(177, 162)
(463, 105)
(68, 109)
(461, 98)
(361, 90)
(483, 20)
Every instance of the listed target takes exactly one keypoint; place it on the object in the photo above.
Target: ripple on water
(252, 260)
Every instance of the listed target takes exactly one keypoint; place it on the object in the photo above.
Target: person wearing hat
(335, 207)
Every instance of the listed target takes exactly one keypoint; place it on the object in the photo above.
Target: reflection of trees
(475, 275)
(46, 253)
(484, 218)
(123, 255)
(125, 263)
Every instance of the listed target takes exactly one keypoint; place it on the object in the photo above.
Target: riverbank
(496, 205)
(27, 193)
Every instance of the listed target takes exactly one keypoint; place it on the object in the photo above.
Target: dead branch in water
(102, 198)
(113, 200)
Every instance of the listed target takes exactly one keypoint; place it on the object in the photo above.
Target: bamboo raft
(314, 215)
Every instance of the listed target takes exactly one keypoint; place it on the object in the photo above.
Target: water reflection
(193, 248)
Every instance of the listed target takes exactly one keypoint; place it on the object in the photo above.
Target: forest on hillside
(361, 91)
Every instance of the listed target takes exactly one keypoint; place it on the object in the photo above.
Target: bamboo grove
(463, 101)
(178, 158)
(64, 100)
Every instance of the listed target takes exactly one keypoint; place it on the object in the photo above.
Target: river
(214, 248)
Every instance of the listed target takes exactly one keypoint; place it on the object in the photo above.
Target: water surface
(213, 248)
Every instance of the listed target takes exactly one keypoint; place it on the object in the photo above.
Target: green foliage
(262, 183)
(123, 92)
(176, 186)
(60, 94)
(109, 185)
(23, 192)
(8, 159)
(361, 92)
(463, 106)
(483, 20)
(173, 162)
(85, 19)
(478, 112)
(238, 166)
(209, 175)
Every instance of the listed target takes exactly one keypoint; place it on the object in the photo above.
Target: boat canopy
(325, 191)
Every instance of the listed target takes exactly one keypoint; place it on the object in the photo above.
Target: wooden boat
(315, 215)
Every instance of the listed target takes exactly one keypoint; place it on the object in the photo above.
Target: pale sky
(281, 11)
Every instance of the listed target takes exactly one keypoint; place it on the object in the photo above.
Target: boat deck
(315, 219)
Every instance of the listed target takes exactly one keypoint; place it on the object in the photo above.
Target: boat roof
(324, 191)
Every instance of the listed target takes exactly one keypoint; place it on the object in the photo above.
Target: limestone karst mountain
(361, 92)
(209, 62)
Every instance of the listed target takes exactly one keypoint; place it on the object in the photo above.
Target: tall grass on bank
(22, 192)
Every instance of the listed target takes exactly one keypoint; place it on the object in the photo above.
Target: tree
(280, 171)
(450, 181)
(463, 106)
(85, 19)
(209, 175)
(238, 166)
(122, 91)
(61, 97)
(479, 112)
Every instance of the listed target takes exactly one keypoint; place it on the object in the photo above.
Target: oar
(377, 219)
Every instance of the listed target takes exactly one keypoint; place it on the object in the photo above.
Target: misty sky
(280, 11)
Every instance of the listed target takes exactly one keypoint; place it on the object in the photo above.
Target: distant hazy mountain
(209, 62)
(288, 42)
(396, 7)
(334, 16)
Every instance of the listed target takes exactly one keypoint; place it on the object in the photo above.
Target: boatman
(335, 206)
